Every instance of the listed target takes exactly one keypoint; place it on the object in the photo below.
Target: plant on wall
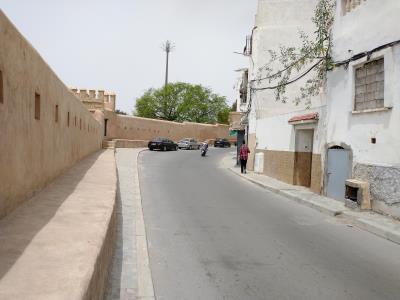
(311, 59)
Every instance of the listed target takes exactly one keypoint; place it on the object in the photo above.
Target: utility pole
(167, 48)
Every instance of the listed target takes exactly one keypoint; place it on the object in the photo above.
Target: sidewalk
(377, 224)
(130, 276)
(58, 245)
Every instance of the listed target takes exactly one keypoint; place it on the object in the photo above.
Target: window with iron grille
(370, 85)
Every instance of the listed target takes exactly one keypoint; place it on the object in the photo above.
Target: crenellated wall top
(96, 99)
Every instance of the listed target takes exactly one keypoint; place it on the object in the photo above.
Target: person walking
(243, 154)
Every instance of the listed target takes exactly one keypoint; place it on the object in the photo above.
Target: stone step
(109, 144)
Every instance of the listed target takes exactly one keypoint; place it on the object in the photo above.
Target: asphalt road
(213, 235)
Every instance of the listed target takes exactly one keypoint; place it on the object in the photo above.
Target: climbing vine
(312, 59)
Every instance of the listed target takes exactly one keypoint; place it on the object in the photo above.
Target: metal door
(338, 171)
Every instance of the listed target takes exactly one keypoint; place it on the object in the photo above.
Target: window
(1, 88)
(244, 86)
(370, 86)
(68, 119)
(56, 114)
(37, 106)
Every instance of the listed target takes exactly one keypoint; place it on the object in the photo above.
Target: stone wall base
(281, 165)
(384, 187)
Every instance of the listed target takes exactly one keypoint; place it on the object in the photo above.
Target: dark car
(222, 143)
(162, 144)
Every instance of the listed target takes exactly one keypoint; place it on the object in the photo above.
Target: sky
(116, 45)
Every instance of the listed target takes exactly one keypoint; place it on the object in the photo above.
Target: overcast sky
(116, 45)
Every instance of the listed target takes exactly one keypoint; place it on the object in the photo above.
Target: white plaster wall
(278, 23)
(275, 133)
(370, 25)
(240, 107)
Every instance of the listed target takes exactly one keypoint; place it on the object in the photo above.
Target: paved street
(213, 235)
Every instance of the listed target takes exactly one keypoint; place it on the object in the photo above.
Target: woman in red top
(244, 154)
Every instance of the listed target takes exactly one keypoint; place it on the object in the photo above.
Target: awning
(302, 119)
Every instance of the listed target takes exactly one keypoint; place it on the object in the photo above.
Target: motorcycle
(204, 149)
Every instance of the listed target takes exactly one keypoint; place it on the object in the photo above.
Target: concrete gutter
(377, 224)
(145, 280)
(59, 244)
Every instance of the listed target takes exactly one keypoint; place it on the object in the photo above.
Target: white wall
(370, 25)
(275, 133)
(278, 24)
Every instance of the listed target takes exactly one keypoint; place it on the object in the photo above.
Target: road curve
(213, 236)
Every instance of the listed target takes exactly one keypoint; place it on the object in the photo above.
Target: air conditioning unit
(259, 163)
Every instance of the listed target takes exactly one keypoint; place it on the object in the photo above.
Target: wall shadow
(113, 290)
(19, 228)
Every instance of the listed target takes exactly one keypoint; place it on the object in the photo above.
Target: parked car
(222, 143)
(162, 144)
(188, 143)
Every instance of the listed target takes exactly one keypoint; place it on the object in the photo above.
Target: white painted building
(270, 132)
(352, 129)
(363, 112)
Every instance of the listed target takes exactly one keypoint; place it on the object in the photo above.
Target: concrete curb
(374, 227)
(145, 280)
(384, 227)
(291, 195)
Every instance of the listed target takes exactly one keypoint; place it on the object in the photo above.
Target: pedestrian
(243, 154)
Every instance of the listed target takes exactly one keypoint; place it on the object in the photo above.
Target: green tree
(234, 106)
(183, 102)
(120, 112)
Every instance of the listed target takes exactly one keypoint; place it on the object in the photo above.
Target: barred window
(370, 86)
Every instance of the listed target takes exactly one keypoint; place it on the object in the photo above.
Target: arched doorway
(338, 171)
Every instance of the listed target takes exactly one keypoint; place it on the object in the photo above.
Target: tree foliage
(311, 59)
(183, 102)
(120, 112)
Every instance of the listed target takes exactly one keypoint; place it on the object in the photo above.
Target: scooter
(204, 149)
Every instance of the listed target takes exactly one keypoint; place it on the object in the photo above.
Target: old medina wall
(121, 127)
(135, 128)
(372, 24)
(33, 151)
(278, 23)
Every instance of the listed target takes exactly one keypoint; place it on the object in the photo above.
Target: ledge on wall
(44, 253)
(383, 109)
